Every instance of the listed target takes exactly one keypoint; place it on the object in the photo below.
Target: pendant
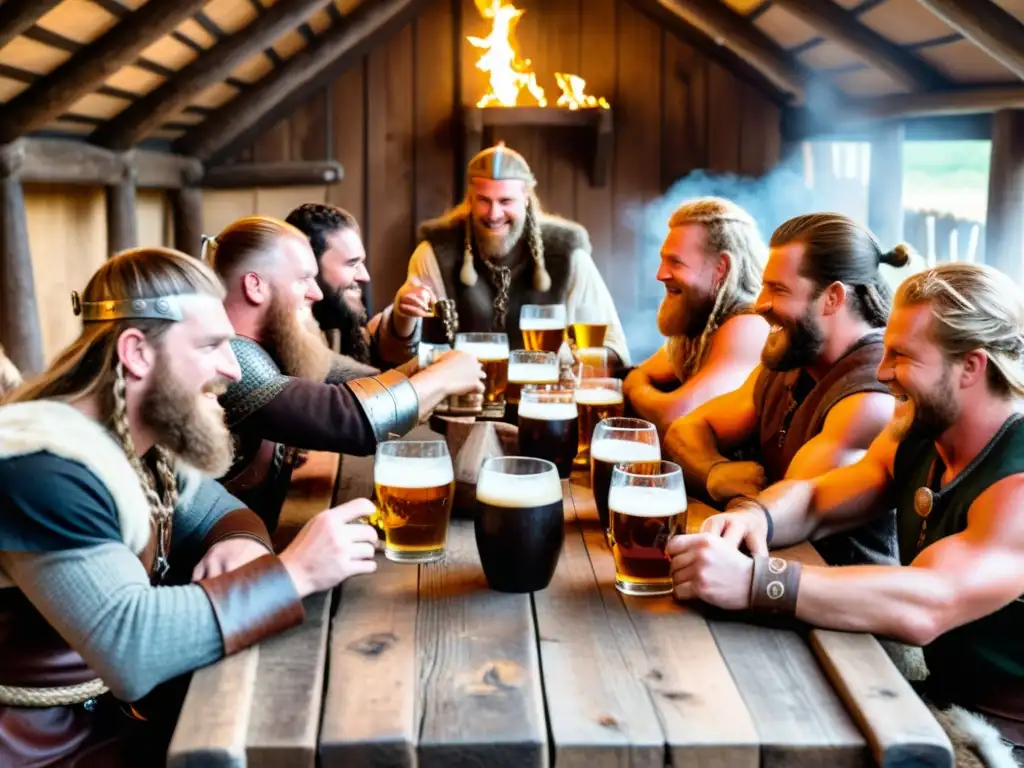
(923, 501)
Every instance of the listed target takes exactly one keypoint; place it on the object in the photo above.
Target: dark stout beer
(549, 429)
(605, 453)
(415, 497)
(519, 524)
(642, 520)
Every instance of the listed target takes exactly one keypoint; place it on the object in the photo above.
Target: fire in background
(509, 74)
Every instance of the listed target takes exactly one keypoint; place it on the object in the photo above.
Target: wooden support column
(1004, 229)
(20, 331)
(187, 203)
(885, 188)
(122, 224)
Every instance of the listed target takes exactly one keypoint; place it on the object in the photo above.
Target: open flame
(509, 74)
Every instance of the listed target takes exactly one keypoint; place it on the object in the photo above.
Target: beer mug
(519, 523)
(620, 440)
(542, 326)
(491, 349)
(548, 425)
(525, 367)
(596, 400)
(589, 326)
(415, 485)
(646, 509)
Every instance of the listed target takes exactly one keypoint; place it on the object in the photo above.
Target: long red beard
(298, 348)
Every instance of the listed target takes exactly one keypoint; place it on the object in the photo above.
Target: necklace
(924, 503)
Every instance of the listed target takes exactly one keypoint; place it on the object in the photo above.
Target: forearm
(660, 408)
(694, 446)
(345, 368)
(209, 514)
(903, 603)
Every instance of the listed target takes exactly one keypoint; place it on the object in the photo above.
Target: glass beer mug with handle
(415, 485)
(597, 400)
(645, 510)
(542, 326)
(548, 425)
(620, 440)
(526, 367)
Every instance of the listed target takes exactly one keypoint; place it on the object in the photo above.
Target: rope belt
(59, 696)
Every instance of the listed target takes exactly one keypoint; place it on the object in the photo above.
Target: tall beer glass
(542, 326)
(645, 510)
(415, 486)
(519, 523)
(525, 367)
(596, 399)
(620, 440)
(589, 327)
(491, 349)
(548, 425)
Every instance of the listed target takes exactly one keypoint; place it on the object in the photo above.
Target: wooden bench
(427, 667)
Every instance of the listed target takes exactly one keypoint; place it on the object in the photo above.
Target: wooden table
(426, 666)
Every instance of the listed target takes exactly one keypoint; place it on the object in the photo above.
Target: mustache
(216, 387)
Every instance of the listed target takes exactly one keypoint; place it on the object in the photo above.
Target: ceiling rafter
(995, 31)
(16, 16)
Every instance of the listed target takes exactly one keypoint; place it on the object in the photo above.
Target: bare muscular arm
(734, 353)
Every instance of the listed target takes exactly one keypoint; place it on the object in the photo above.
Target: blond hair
(90, 366)
(245, 242)
(10, 376)
(974, 307)
(731, 230)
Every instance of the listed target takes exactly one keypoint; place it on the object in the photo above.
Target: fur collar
(558, 231)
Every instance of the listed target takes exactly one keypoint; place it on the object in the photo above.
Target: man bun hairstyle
(838, 249)
(318, 220)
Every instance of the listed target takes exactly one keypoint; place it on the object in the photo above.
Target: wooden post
(1004, 240)
(20, 331)
(122, 226)
(187, 203)
(885, 187)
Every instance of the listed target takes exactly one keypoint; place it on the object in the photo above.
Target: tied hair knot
(208, 246)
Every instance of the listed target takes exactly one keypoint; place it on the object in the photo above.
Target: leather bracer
(253, 602)
(389, 401)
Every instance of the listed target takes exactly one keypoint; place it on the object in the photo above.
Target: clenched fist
(460, 372)
(414, 299)
(331, 547)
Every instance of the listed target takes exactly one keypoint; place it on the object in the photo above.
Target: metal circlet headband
(155, 308)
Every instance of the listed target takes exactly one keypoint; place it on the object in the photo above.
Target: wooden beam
(68, 161)
(1004, 229)
(18, 15)
(122, 220)
(91, 65)
(187, 208)
(729, 28)
(885, 185)
(964, 101)
(20, 331)
(798, 125)
(148, 113)
(997, 32)
(297, 174)
(843, 27)
(243, 118)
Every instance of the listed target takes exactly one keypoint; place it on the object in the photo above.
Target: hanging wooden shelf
(479, 123)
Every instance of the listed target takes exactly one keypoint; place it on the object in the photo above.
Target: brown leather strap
(255, 472)
(254, 602)
(238, 523)
(774, 586)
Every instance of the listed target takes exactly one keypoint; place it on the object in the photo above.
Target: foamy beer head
(645, 510)
(529, 367)
(620, 440)
(415, 487)
(598, 399)
(519, 523)
(542, 326)
(548, 425)
(491, 349)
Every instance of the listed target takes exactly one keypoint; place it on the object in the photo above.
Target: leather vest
(475, 304)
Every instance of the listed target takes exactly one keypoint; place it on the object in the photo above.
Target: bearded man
(711, 264)
(10, 376)
(287, 397)
(386, 339)
(110, 510)
(497, 250)
(952, 462)
(814, 403)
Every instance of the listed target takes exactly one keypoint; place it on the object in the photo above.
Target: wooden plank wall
(392, 122)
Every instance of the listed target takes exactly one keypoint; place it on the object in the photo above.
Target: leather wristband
(238, 523)
(774, 586)
(253, 602)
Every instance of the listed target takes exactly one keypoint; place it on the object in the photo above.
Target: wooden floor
(425, 666)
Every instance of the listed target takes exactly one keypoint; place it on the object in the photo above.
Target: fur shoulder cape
(558, 233)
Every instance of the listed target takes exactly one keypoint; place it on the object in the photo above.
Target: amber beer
(529, 368)
(491, 349)
(605, 453)
(643, 517)
(543, 327)
(589, 335)
(415, 487)
(549, 426)
(597, 399)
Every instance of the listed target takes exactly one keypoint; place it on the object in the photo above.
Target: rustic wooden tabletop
(425, 666)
